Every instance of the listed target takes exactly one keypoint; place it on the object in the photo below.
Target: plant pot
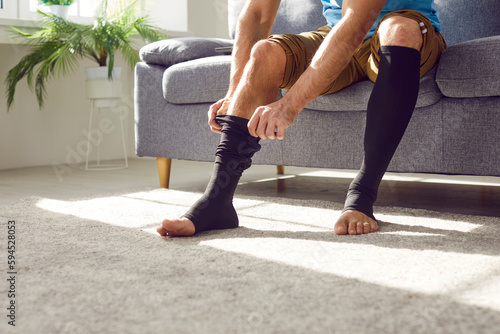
(59, 10)
(101, 72)
(103, 91)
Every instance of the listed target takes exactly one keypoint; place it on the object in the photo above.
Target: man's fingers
(212, 112)
(216, 130)
(252, 124)
(214, 108)
(280, 133)
(263, 124)
(271, 134)
(271, 130)
(214, 126)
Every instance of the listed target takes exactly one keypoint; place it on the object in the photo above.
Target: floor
(472, 195)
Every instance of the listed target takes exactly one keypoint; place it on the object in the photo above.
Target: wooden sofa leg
(164, 171)
(280, 169)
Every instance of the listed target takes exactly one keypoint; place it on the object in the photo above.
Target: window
(8, 9)
(82, 8)
(79, 10)
(26, 9)
(167, 14)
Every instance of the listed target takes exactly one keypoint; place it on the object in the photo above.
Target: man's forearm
(332, 57)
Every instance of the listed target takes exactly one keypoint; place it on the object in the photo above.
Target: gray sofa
(455, 128)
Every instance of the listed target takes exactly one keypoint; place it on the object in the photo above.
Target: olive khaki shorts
(301, 48)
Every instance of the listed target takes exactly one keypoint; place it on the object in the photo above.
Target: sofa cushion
(197, 81)
(464, 20)
(355, 97)
(177, 50)
(470, 69)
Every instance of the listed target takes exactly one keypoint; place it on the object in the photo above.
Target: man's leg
(261, 79)
(389, 110)
(258, 86)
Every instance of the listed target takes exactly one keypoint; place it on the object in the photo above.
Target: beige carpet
(96, 266)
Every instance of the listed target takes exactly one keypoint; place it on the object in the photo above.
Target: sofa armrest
(177, 50)
(470, 69)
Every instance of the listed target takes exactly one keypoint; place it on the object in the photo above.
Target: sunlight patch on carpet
(430, 272)
(134, 210)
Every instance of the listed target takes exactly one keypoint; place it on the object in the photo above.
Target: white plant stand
(104, 94)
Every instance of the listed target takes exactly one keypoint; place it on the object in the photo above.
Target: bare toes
(352, 228)
(366, 227)
(161, 231)
(359, 228)
(340, 228)
(354, 223)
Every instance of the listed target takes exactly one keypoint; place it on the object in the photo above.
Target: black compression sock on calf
(214, 210)
(389, 111)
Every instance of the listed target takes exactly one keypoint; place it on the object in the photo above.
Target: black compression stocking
(389, 111)
(214, 210)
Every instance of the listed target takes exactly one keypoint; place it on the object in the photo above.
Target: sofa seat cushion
(470, 69)
(356, 96)
(206, 80)
(177, 50)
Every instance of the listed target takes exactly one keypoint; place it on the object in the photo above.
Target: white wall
(168, 14)
(29, 137)
(208, 18)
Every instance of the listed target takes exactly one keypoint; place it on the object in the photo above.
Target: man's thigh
(300, 50)
(433, 44)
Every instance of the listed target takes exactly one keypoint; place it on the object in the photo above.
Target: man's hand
(270, 121)
(218, 108)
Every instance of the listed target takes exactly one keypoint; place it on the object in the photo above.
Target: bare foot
(177, 227)
(354, 222)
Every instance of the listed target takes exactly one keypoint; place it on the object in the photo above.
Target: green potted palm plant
(57, 7)
(57, 47)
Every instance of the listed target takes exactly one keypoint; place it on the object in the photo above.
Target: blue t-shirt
(332, 10)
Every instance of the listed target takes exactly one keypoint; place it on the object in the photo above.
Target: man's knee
(400, 31)
(269, 54)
